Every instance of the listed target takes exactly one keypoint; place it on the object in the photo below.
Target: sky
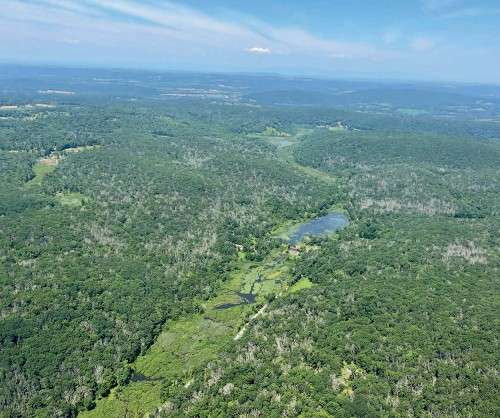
(453, 40)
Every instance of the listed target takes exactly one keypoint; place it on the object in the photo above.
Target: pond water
(223, 306)
(139, 377)
(247, 297)
(244, 297)
(284, 143)
(320, 226)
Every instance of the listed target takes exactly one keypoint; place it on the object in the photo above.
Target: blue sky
(456, 40)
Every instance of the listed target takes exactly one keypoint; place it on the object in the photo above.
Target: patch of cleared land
(303, 283)
(339, 126)
(44, 105)
(43, 167)
(81, 149)
(270, 131)
(48, 164)
(72, 199)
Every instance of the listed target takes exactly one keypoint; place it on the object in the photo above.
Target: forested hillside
(146, 267)
(403, 320)
(118, 238)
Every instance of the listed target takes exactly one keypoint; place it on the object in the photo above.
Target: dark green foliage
(402, 319)
(413, 327)
(86, 289)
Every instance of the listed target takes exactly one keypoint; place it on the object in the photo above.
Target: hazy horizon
(341, 77)
(418, 40)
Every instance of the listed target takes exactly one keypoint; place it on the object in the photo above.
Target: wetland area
(189, 342)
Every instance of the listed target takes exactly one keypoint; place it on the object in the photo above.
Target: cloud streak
(171, 23)
(168, 34)
(457, 9)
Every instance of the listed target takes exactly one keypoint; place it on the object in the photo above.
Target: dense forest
(403, 320)
(127, 212)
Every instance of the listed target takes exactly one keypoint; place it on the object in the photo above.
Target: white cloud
(166, 34)
(107, 23)
(258, 50)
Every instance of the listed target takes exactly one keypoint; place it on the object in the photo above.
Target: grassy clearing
(284, 142)
(128, 401)
(48, 164)
(303, 283)
(266, 278)
(274, 136)
(286, 230)
(71, 199)
(285, 153)
(43, 167)
(183, 345)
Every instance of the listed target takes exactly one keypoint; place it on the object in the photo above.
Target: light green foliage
(73, 199)
(302, 283)
(189, 343)
(40, 170)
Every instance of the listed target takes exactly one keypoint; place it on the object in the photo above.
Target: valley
(192, 245)
(190, 342)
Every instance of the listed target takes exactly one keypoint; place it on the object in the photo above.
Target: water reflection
(320, 226)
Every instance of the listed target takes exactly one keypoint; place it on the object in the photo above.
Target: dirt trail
(241, 332)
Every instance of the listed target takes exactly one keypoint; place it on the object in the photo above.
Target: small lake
(320, 227)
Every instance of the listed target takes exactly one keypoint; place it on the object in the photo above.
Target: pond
(244, 297)
(320, 227)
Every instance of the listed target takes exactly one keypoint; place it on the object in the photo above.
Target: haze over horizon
(438, 40)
